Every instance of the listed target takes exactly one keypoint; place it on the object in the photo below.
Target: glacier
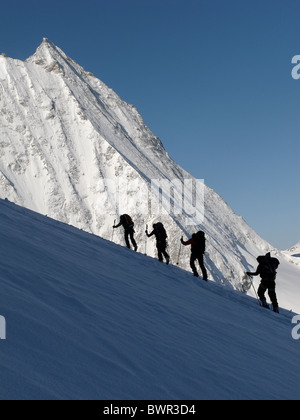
(69, 144)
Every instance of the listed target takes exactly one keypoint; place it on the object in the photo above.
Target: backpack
(127, 221)
(200, 242)
(268, 266)
(160, 232)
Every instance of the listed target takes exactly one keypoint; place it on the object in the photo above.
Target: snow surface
(63, 133)
(88, 319)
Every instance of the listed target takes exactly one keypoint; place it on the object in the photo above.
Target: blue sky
(211, 78)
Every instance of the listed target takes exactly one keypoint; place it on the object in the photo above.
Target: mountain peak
(47, 41)
(295, 248)
(47, 44)
(49, 56)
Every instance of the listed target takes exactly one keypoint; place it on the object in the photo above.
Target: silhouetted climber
(267, 270)
(128, 225)
(161, 241)
(197, 243)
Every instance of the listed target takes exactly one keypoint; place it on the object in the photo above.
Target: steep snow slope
(87, 319)
(71, 149)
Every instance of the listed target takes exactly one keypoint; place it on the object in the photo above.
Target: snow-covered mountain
(295, 250)
(88, 319)
(293, 254)
(73, 150)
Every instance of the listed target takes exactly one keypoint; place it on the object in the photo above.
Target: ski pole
(179, 253)
(112, 238)
(251, 279)
(146, 240)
